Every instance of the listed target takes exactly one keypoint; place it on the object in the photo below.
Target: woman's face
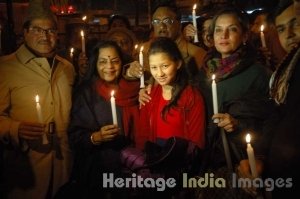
(228, 34)
(109, 64)
(163, 69)
(205, 28)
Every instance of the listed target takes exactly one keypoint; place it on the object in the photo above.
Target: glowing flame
(248, 138)
(37, 99)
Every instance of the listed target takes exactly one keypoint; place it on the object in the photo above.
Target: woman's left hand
(226, 121)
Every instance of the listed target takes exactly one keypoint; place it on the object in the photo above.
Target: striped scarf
(282, 75)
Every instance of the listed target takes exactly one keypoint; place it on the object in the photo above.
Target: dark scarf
(224, 68)
(282, 75)
(126, 92)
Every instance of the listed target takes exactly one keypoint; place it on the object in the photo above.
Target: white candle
(113, 108)
(141, 59)
(251, 156)
(40, 117)
(82, 41)
(71, 52)
(38, 109)
(262, 36)
(195, 23)
(215, 97)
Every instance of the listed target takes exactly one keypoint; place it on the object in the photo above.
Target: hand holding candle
(141, 59)
(113, 108)
(40, 117)
(251, 156)
(262, 36)
(195, 23)
(82, 41)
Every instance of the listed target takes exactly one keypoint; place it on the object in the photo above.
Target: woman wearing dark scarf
(242, 90)
(96, 141)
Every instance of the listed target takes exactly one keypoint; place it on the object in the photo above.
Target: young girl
(176, 108)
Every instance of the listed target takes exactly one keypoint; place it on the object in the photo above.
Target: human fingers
(135, 69)
(144, 97)
(148, 89)
(31, 130)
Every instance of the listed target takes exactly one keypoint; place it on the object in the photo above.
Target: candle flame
(248, 138)
(213, 77)
(112, 93)
(262, 28)
(84, 18)
(142, 48)
(195, 6)
(37, 99)
(71, 50)
(136, 46)
(82, 33)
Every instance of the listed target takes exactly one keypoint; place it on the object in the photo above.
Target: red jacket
(191, 107)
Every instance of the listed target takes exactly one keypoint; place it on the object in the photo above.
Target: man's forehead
(164, 12)
(286, 16)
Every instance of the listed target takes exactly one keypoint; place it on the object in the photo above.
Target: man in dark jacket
(280, 145)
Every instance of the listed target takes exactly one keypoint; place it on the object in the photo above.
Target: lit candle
(141, 59)
(195, 23)
(262, 36)
(84, 18)
(40, 117)
(71, 52)
(215, 97)
(82, 41)
(38, 109)
(251, 157)
(113, 108)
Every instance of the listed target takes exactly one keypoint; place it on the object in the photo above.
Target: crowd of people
(66, 119)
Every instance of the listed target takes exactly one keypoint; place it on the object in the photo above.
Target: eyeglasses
(166, 21)
(39, 31)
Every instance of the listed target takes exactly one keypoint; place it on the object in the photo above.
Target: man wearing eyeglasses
(166, 23)
(35, 100)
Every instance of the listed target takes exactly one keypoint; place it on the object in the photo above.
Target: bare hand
(106, 133)
(31, 130)
(244, 171)
(144, 95)
(244, 168)
(135, 70)
(226, 121)
(190, 30)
